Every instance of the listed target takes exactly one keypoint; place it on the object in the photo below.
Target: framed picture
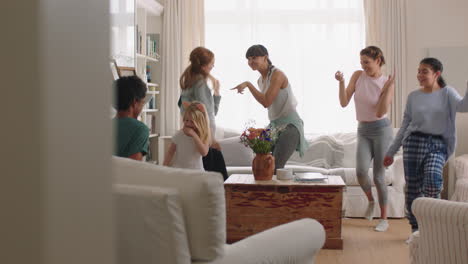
(126, 71)
(121, 71)
(113, 66)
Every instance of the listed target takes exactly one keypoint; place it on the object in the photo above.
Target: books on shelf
(152, 45)
(310, 177)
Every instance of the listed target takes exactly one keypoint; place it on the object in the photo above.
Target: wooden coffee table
(253, 206)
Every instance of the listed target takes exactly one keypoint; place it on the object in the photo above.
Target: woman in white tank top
(373, 94)
(276, 94)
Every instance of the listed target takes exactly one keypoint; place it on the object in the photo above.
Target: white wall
(55, 170)
(434, 24)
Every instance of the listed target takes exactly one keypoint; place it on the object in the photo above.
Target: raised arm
(278, 80)
(202, 148)
(345, 94)
(386, 96)
(457, 102)
(216, 94)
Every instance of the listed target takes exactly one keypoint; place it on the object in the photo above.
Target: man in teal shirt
(132, 136)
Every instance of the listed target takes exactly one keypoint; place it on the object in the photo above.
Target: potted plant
(261, 141)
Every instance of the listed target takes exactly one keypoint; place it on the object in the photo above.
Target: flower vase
(263, 166)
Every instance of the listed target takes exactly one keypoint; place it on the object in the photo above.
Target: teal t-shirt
(132, 136)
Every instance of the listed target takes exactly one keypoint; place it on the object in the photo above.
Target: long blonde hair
(197, 112)
(199, 57)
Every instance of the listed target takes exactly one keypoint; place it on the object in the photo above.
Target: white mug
(284, 174)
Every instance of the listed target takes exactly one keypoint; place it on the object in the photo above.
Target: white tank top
(284, 103)
(366, 97)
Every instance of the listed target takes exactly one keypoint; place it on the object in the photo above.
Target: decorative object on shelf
(121, 70)
(126, 71)
(148, 73)
(261, 141)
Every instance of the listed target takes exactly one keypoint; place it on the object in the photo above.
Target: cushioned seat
(167, 215)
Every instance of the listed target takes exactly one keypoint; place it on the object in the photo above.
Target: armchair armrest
(461, 191)
(294, 242)
(461, 167)
(443, 233)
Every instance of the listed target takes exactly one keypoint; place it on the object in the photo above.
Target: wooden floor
(363, 245)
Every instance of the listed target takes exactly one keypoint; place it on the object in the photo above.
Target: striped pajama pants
(424, 157)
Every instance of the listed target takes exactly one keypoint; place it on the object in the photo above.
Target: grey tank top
(284, 103)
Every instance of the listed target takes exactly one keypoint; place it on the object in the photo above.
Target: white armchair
(443, 229)
(167, 215)
(461, 176)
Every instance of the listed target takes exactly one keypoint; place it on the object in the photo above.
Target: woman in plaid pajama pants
(427, 134)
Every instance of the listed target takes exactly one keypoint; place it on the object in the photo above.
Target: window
(309, 40)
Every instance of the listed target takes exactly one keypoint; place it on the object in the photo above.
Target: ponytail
(199, 57)
(441, 81)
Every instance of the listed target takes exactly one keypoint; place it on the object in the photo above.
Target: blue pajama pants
(424, 157)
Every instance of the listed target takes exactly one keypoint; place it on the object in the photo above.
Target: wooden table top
(236, 179)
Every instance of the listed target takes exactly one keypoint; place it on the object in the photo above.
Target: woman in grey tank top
(276, 94)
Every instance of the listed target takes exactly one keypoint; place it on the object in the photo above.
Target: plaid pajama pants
(424, 157)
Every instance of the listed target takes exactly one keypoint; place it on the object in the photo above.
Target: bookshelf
(136, 37)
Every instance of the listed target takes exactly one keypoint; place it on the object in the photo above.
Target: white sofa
(331, 154)
(167, 215)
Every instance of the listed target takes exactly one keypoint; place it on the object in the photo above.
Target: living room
(57, 193)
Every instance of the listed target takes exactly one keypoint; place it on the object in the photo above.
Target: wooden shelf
(151, 6)
(152, 92)
(146, 57)
(153, 135)
(152, 84)
(148, 111)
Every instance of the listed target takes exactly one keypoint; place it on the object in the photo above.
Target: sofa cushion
(348, 140)
(140, 212)
(350, 178)
(239, 170)
(201, 195)
(235, 153)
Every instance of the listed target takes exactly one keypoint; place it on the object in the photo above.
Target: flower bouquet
(261, 141)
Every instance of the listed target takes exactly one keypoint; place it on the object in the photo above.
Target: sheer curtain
(385, 27)
(308, 39)
(183, 30)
